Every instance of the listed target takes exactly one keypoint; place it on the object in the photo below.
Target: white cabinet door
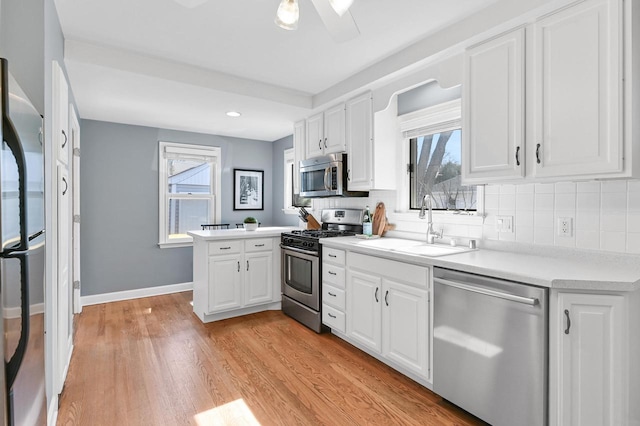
(64, 324)
(225, 283)
(493, 102)
(405, 326)
(588, 360)
(359, 134)
(577, 91)
(258, 278)
(334, 130)
(315, 135)
(364, 293)
(299, 147)
(61, 135)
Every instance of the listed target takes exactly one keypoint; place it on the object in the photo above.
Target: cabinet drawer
(333, 318)
(333, 255)
(225, 247)
(258, 244)
(333, 275)
(333, 296)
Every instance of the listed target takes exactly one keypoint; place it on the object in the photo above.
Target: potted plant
(250, 223)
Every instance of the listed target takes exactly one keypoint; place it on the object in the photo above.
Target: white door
(493, 133)
(64, 335)
(364, 293)
(74, 134)
(225, 283)
(577, 91)
(315, 129)
(334, 130)
(258, 278)
(359, 134)
(589, 381)
(405, 326)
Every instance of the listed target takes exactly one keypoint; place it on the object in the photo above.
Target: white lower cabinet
(587, 359)
(235, 276)
(388, 315)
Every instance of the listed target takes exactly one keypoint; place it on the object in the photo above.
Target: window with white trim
(432, 149)
(189, 184)
(288, 181)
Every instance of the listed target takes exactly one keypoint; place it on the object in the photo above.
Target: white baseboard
(52, 411)
(134, 294)
(15, 312)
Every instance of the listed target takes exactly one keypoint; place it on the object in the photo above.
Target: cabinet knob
(377, 295)
(331, 294)
(320, 144)
(65, 139)
(566, 314)
(325, 143)
(386, 298)
(538, 153)
(238, 266)
(517, 156)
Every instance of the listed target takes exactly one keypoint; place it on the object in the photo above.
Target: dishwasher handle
(488, 292)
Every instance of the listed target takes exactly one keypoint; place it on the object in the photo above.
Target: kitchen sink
(413, 247)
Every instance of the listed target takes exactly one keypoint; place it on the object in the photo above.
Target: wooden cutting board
(379, 219)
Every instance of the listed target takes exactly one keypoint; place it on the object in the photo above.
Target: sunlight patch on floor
(233, 413)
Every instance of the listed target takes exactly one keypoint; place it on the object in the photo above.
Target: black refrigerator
(22, 257)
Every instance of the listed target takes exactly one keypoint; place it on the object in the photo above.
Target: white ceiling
(163, 64)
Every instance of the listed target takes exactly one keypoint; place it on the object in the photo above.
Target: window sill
(290, 211)
(176, 244)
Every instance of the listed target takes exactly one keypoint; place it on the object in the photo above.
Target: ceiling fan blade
(341, 28)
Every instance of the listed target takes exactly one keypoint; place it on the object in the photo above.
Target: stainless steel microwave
(326, 176)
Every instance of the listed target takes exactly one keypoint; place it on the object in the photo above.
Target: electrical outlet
(565, 226)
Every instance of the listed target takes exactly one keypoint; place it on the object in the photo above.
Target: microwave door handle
(327, 173)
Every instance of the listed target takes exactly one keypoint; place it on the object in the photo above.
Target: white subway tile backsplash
(545, 188)
(588, 201)
(543, 219)
(507, 202)
(633, 221)
(613, 222)
(492, 189)
(524, 234)
(633, 242)
(565, 201)
(543, 236)
(588, 220)
(633, 201)
(569, 242)
(589, 240)
(543, 202)
(614, 201)
(614, 186)
(524, 219)
(507, 189)
(527, 188)
(633, 186)
(565, 188)
(613, 241)
(589, 187)
(525, 201)
(492, 202)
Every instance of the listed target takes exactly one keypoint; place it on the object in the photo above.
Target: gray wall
(279, 218)
(119, 203)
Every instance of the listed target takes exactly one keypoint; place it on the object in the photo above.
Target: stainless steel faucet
(431, 234)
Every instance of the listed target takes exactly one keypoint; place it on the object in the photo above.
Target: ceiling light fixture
(288, 14)
(341, 6)
(233, 114)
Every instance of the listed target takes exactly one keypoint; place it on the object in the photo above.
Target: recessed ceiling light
(233, 114)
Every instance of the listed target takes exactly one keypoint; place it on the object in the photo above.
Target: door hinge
(76, 152)
(76, 218)
(76, 285)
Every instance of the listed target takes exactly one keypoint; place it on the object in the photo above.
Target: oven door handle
(310, 255)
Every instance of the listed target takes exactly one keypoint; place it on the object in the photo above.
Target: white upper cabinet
(359, 132)
(576, 94)
(493, 104)
(552, 90)
(315, 135)
(325, 132)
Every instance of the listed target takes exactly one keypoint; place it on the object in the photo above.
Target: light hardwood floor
(152, 362)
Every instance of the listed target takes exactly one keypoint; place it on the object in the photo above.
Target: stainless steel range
(302, 266)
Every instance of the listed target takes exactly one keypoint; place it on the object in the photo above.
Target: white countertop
(589, 272)
(231, 234)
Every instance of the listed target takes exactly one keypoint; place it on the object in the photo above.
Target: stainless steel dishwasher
(490, 352)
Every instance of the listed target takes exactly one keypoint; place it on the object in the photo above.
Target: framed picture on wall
(248, 189)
